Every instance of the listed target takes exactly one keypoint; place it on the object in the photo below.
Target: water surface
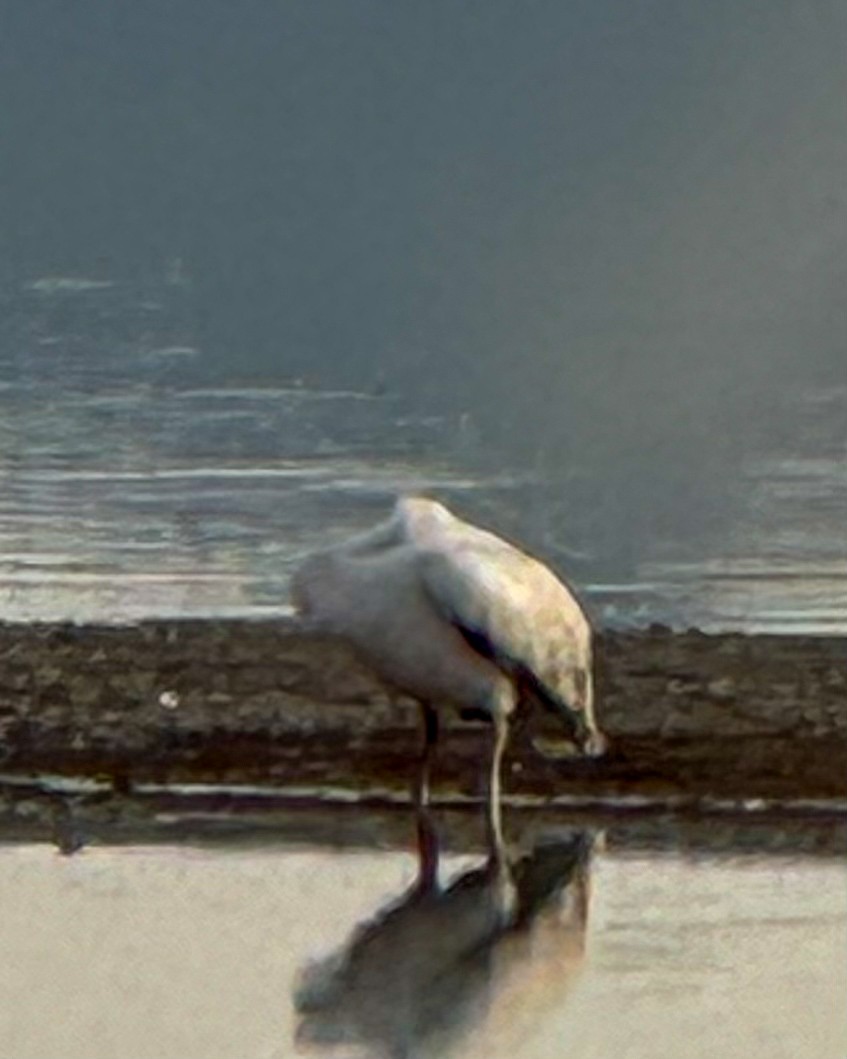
(173, 952)
(137, 481)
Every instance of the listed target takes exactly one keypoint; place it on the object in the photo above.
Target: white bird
(453, 615)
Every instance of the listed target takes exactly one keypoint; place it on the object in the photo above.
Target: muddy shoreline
(689, 715)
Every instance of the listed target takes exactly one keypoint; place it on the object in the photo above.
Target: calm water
(132, 486)
(179, 953)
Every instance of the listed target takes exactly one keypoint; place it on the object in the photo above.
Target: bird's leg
(494, 816)
(430, 721)
(427, 834)
(498, 858)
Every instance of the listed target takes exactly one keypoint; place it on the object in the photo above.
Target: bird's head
(578, 710)
(589, 739)
(595, 744)
(582, 739)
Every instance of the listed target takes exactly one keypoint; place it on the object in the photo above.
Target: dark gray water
(577, 270)
(139, 481)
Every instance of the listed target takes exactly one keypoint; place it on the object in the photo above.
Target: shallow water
(138, 483)
(269, 952)
(129, 500)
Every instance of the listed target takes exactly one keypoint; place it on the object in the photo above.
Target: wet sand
(271, 951)
(690, 716)
(73, 813)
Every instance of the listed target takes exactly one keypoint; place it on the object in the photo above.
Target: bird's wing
(511, 605)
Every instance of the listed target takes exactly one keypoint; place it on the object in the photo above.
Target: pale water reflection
(172, 952)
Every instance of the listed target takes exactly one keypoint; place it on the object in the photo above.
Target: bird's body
(451, 614)
(373, 591)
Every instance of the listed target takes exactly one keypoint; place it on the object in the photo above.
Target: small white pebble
(169, 700)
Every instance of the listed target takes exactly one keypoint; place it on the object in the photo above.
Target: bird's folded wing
(507, 601)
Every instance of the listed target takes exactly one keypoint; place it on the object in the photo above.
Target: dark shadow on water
(427, 969)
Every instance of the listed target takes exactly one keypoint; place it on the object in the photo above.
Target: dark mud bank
(253, 701)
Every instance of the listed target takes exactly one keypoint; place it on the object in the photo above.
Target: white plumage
(453, 615)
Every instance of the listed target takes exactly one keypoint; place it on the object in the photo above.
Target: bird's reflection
(411, 981)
